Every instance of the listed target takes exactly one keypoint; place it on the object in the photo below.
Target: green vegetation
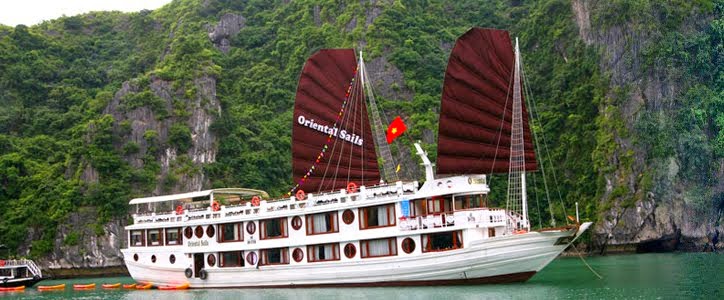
(61, 146)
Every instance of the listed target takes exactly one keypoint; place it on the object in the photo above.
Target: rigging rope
(329, 138)
(548, 155)
(345, 122)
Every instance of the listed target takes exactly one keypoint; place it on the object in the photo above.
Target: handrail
(326, 198)
(24, 262)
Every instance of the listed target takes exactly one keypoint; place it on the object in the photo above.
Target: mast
(383, 149)
(517, 202)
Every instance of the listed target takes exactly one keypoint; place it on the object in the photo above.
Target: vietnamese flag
(396, 128)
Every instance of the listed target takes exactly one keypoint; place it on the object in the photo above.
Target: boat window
(442, 241)
(298, 255)
(273, 228)
(296, 223)
(348, 216)
(173, 236)
(350, 250)
(154, 237)
(274, 256)
(434, 205)
(325, 252)
(378, 247)
(137, 238)
(211, 260)
(231, 232)
(231, 259)
(408, 245)
(377, 216)
(322, 223)
(471, 201)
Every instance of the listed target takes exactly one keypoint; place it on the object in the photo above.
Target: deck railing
(24, 263)
(486, 217)
(378, 192)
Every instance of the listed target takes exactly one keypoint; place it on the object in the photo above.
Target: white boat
(353, 230)
(19, 272)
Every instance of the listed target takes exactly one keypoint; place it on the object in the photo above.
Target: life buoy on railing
(179, 210)
(215, 206)
(255, 200)
(301, 195)
(2, 263)
(351, 188)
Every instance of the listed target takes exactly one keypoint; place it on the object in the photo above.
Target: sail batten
(332, 142)
(476, 114)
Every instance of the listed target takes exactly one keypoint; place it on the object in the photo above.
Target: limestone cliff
(641, 215)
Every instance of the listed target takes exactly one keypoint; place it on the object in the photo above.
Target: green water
(643, 276)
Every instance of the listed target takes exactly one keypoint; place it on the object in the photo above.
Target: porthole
(210, 231)
(188, 232)
(199, 231)
(350, 250)
(172, 259)
(135, 257)
(153, 259)
(348, 216)
(250, 227)
(251, 258)
(296, 223)
(211, 259)
(408, 245)
(298, 255)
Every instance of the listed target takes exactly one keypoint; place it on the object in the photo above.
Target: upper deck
(238, 206)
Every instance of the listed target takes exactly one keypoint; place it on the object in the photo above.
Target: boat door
(198, 264)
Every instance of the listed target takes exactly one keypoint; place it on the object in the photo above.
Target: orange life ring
(215, 206)
(2, 263)
(179, 210)
(301, 195)
(255, 200)
(351, 188)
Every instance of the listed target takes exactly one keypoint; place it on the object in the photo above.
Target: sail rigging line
(533, 113)
(349, 100)
(325, 147)
(537, 203)
(378, 126)
(534, 109)
(351, 109)
(500, 128)
(356, 98)
(360, 66)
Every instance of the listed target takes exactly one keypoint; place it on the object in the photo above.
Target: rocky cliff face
(645, 217)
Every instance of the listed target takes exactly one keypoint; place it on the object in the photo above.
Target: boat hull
(27, 282)
(511, 258)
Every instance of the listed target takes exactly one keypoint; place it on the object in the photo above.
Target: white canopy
(206, 193)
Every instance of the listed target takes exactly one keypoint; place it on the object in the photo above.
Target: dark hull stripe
(507, 278)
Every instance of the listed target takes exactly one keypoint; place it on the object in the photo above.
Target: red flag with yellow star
(396, 128)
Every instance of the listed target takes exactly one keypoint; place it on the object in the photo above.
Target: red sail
(350, 153)
(477, 104)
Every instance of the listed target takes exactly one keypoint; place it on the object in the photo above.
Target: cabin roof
(191, 195)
